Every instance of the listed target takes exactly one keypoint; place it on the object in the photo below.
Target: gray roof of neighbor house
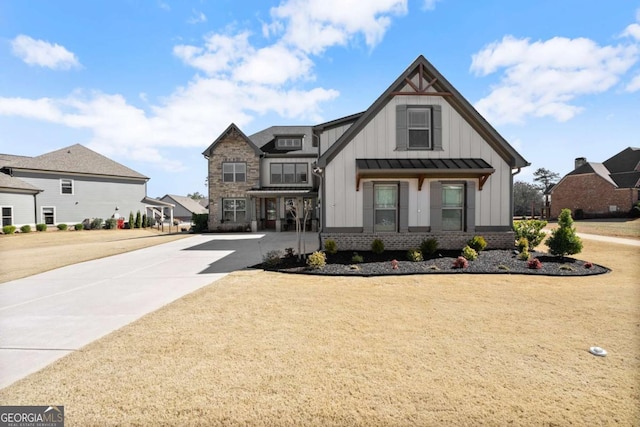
(456, 100)
(186, 202)
(621, 170)
(16, 185)
(266, 140)
(74, 159)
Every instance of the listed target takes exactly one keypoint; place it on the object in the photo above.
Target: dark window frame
(9, 216)
(234, 173)
(69, 187)
(298, 175)
(289, 142)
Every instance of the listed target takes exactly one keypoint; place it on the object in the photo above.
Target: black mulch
(488, 262)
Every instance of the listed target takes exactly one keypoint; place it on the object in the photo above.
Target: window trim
(11, 221)
(71, 183)
(461, 208)
(296, 142)
(235, 172)
(402, 130)
(295, 173)
(395, 209)
(429, 127)
(43, 217)
(235, 211)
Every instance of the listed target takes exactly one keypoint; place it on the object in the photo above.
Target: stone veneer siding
(592, 194)
(404, 241)
(231, 148)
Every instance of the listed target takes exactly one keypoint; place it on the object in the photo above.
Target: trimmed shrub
(96, 223)
(200, 222)
(356, 258)
(469, 253)
(414, 255)
(477, 243)
(131, 220)
(635, 211)
(429, 246)
(317, 260)
(139, 220)
(460, 262)
(62, 227)
(377, 246)
(9, 229)
(111, 223)
(145, 221)
(25, 228)
(563, 240)
(272, 258)
(522, 245)
(534, 264)
(289, 252)
(588, 264)
(531, 229)
(524, 255)
(330, 246)
(78, 226)
(41, 227)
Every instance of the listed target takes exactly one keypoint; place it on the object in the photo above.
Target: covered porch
(277, 209)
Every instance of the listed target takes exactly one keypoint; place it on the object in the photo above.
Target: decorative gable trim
(436, 85)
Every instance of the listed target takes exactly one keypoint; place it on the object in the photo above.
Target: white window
(289, 142)
(234, 210)
(66, 186)
(234, 172)
(49, 215)
(7, 215)
(452, 207)
(385, 207)
(419, 128)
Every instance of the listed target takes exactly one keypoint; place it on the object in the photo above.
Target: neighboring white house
(68, 186)
(419, 163)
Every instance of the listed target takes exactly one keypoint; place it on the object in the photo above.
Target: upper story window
(289, 142)
(419, 128)
(234, 172)
(66, 186)
(289, 173)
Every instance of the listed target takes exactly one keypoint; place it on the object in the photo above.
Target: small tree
(138, 220)
(300, 214)
(563, 240)
(131, 223)
(145, 221)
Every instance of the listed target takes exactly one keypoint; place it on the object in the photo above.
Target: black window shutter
(435, 197)
(437, 127)
(367, 207)
(404, 207)
(470, 207)
(401, 128)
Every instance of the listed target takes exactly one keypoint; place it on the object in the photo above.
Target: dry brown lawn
(628, 228)
(26, 254)
(258, 348)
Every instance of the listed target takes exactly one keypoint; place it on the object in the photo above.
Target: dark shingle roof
(429, 164)
(593, 167)
(265, 139)
(75, 159)
(628, 160)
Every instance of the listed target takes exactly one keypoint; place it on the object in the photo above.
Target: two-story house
(420, 162)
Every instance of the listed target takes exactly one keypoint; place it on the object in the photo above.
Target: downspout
(511, 194)
(319, 172)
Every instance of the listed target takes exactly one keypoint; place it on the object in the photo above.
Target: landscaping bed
(488, 262)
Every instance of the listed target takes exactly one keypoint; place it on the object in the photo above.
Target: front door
(271, 214)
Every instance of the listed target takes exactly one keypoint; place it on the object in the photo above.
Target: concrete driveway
(49, 315)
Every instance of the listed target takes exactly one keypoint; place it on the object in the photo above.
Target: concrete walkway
(49, 315)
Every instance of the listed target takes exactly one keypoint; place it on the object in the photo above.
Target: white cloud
(314, 25)
(542, 78)
(235, 81)
(43, 53)
(429, 4)
(633, 31)
(197, 18)
(634, 84)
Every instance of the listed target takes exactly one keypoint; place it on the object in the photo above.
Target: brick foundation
(404, 241)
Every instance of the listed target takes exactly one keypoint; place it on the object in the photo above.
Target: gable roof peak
(232, 128)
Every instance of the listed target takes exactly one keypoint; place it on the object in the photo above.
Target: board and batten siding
(377, 140)
(93, 197)
(265, 174)
(331, 135)
(22, 208)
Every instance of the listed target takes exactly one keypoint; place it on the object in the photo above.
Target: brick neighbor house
(603, 189)
(420, 162)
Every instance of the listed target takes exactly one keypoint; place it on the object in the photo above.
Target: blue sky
(152, 83)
